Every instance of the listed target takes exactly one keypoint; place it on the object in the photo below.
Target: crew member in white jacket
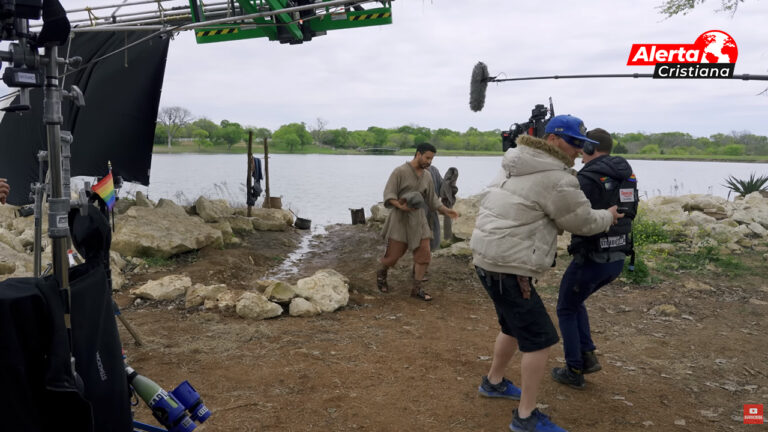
(514, 242)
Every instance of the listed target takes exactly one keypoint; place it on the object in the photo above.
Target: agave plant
(745, 187)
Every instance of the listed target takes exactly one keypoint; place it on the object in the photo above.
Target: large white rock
(327, 289)
(301, 307)
(467, 208)
(379, 213)
(255, 306)
(212, 210)
(162, 232)
(269, 220)
(167, 288)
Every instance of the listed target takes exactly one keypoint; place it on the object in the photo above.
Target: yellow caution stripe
(370, 16)
(205, 33)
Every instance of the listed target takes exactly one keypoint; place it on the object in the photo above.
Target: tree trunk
(169, 139)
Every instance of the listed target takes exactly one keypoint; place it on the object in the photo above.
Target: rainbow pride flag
(106, 190)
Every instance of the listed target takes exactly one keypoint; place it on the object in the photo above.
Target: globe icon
(717, 47)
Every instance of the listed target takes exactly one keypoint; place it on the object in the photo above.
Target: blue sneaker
(504, 389)
(536, 422)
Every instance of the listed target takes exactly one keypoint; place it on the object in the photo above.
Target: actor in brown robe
(409, 192)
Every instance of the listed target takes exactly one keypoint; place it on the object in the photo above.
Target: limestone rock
(199, 294)
(468, 208)
(269, 220)
(240, 224)
(327, 289)
(170, 207)
(142, 200)
(212, 210)
(227, 300)
(255, 306)
(379, 213)
(12, 240)
(460, 249)
(302, 308)
(167, 288)
(666, 310)
(161, 233)
(280, 292)
(757, 229)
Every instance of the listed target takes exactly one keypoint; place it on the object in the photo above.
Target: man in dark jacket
(597, 260)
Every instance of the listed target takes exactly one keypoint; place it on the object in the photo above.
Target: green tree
(650, 149)
(206, 125)
(620, 148)
(292, 137)
(228, 135)
(733, 150)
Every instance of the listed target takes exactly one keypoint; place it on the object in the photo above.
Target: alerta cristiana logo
(712, 55)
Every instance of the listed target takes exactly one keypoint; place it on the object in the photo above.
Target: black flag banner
(117, 123)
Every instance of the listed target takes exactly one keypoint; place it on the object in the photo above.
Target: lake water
(324, 187)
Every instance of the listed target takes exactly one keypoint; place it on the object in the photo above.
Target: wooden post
(251, 167)
(267, 200)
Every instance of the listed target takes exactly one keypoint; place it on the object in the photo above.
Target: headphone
(589, 148)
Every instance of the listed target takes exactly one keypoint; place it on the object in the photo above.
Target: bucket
(302, 223)
(274, 202)
(358, 216)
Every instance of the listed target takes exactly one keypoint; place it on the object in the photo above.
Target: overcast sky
(417, 70)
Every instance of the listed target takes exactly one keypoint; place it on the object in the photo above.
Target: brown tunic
(409, 227)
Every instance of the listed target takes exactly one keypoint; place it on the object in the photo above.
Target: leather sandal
(381, 280)
(418, 291)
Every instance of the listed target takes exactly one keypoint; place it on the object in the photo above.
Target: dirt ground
(388, 362)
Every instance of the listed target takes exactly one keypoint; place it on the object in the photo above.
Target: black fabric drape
(117, 123)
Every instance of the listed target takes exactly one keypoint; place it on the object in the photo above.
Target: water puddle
(289, 267)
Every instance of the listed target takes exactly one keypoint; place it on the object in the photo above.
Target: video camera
(534, 126)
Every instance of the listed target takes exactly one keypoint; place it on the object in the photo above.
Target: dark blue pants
(580, 280)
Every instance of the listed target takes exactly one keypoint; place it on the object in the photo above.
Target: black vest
(621, 193)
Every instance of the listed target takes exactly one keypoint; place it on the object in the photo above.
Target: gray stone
(379, 213)
(240, 224)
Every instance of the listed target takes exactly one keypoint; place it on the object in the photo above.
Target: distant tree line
(177, 124)
(679, 143)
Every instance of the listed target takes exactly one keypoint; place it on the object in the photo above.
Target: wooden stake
(267, 200)
(251, 167)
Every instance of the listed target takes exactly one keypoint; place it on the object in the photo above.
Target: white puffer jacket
(520, 217)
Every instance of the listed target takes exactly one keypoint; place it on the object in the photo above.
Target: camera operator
(5, 189)
(515, 240)
(597, 260)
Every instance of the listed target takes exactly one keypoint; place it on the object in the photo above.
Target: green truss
(292, 30)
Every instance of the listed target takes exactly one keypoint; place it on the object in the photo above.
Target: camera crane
(286, 21)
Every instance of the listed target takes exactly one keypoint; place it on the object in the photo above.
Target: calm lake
(324, 187)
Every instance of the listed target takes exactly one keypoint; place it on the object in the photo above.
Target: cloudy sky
(417, 70)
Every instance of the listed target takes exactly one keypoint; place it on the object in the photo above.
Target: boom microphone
(480, 80)
(477, 86)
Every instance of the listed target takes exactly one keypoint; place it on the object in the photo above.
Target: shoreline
(259, 151)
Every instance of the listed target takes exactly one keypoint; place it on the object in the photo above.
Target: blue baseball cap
(571, 128)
